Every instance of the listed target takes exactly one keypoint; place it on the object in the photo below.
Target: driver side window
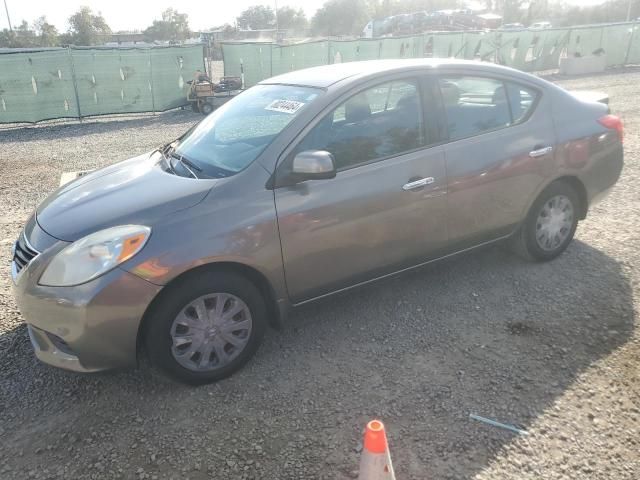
(382, 121)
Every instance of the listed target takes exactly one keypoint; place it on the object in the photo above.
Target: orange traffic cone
(375, 463)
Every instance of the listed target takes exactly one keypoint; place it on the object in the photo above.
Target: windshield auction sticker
(284, 106)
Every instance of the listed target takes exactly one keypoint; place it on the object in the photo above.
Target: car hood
(136, 191)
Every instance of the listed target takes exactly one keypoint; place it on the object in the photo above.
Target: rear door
(386, 208)
(501, 140)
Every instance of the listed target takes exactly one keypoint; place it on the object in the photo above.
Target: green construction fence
(79, 82)
(526, 50)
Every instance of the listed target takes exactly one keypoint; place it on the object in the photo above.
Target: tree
(257, 17)
(512, 11)
(340, 17)
(228, 30)
(85, 27)
(25, 37)
(379, 9)
(7, 39)
(21, 36)
(292, 19)
(47, 34)
(173, 27)
(564, 14)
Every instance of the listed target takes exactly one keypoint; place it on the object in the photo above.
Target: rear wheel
(207, 327)
(550, 224)
(206, 108)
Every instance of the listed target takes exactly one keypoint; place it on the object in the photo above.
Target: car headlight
(93, 255)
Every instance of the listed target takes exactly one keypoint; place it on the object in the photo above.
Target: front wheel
(206, 328)
(550, 224)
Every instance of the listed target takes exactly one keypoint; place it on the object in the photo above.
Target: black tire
(194, 107)
(206, 108)
(157, 335)
(525, 242)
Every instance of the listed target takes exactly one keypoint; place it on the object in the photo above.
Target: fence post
(566, 47)
(153, 96)
(271, 60)
(601, 37)
(633, 32)
(75, 84)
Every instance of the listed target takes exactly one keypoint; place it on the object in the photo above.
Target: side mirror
(313, 165)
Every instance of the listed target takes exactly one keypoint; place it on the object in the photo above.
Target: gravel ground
(552, 348)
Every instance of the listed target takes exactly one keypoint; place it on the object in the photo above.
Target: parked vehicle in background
(419, 22)
(308, 184)
(403, 23)
(540, 26)
(512, 27)
(367, 31)
(205, 96)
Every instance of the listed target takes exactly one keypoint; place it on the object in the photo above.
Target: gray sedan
(305, 185)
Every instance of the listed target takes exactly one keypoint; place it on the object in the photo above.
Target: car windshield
(233, 136)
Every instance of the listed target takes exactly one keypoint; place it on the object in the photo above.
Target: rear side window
(474, 105)
(379, 122)
(522, 101)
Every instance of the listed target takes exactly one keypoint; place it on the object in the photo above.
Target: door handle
(418, 183)
(540, 152)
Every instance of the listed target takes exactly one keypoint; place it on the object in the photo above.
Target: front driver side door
(385, 209)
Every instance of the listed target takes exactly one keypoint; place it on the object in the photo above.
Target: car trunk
(590, 96)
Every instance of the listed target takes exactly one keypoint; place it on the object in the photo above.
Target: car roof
(326, 75)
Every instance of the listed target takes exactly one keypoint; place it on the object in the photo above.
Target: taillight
(613, 122)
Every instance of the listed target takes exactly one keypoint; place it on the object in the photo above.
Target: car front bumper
(53, 351)
(85, 328)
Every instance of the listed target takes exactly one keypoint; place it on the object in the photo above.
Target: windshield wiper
(163, 151)
(168, 154)
(186, 161)
(187, 164)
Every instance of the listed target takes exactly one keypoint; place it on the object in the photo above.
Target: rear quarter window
(522, 100)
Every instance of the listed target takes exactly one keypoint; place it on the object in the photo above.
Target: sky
(137, 15)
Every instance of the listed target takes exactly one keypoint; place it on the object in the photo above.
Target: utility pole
(628, 10)
(276, 3)
(8, 18)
